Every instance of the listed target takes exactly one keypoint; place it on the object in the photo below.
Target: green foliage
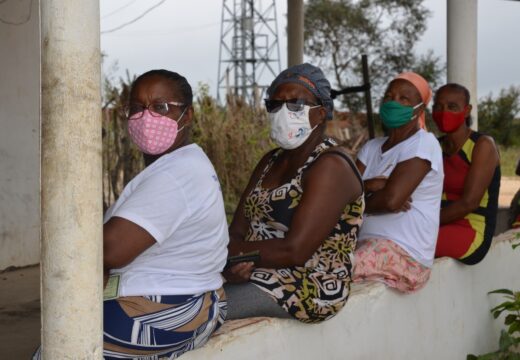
(338, 32)
(429, 66)
(500, 117)
(508, 349)
(509, 343)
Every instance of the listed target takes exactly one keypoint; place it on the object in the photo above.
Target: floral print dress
(319, 289)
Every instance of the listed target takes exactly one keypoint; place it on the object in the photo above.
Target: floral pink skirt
(385, 261)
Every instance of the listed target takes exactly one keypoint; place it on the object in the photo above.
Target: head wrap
(422, 87)
(309, 76)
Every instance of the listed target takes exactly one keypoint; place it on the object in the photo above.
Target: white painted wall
(447, 319)
(19, 134)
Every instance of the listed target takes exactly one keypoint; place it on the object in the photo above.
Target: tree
(338, 32)
(500, 117)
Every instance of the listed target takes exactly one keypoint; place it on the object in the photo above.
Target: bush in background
(234, 137)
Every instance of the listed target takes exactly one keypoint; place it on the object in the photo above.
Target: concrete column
(462, 48)
(294, 32)
(71, 191)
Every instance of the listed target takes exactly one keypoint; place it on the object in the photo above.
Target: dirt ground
(20, 298)
(508, 188)
(19, 313)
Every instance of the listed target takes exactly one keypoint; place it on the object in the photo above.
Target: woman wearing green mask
(403, 175)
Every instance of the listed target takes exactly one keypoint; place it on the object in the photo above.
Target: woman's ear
(467, 111)
(323, 114)
(189, 116)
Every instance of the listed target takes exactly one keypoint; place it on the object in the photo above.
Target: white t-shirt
(178, 200)
(414, 230)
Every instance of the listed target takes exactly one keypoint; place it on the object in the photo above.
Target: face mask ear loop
(180, 117)
(415, 107)
(315, 126)
(314, 107)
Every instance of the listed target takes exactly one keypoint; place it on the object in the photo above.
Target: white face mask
(290, 129)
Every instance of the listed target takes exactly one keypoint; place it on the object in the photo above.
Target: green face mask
(395, 115)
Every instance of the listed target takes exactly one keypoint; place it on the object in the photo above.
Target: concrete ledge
(447, 319)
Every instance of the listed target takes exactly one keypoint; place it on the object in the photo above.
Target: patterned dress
(319, 289)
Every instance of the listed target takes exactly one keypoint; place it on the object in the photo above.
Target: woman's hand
(239, 273)
(407, 205)
(378, 183)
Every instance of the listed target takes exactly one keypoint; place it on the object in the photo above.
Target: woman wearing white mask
(301, 211)
(165, 239)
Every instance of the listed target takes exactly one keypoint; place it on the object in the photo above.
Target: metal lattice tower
(249, 57)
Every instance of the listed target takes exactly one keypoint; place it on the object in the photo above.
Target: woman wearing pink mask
(471, 179)
(165, 238)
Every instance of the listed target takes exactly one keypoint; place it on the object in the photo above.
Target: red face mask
(447, 121)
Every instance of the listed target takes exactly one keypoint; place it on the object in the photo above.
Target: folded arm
(394, 193)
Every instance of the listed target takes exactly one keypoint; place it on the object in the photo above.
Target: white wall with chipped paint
(19, 134)
(447, 319)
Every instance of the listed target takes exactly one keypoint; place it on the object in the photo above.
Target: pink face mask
(153, 134)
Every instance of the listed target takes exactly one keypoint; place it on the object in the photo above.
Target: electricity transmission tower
(249, 56)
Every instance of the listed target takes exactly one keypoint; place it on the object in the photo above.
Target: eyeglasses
(273, 106)
(156, 109)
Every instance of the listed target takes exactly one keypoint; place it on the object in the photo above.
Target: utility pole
(294, 32)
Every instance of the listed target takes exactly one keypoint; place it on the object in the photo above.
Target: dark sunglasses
(273, 106)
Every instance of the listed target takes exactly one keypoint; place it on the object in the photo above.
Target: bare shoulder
(486, 148)
(486, 144)
(486, 141)
(336, 160)
(339, 149)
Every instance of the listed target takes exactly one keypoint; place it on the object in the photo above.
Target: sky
(184, 36)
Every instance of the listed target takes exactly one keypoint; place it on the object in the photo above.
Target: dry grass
(234, 137)
(509, 156)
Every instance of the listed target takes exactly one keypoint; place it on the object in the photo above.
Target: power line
(24, 21)
(161, 32)
(116, 10)
(134, 20)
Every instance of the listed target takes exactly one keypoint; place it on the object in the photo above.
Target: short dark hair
(464, 91)
(179, 81)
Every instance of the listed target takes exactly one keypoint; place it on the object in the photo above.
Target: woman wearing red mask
(471, 179)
